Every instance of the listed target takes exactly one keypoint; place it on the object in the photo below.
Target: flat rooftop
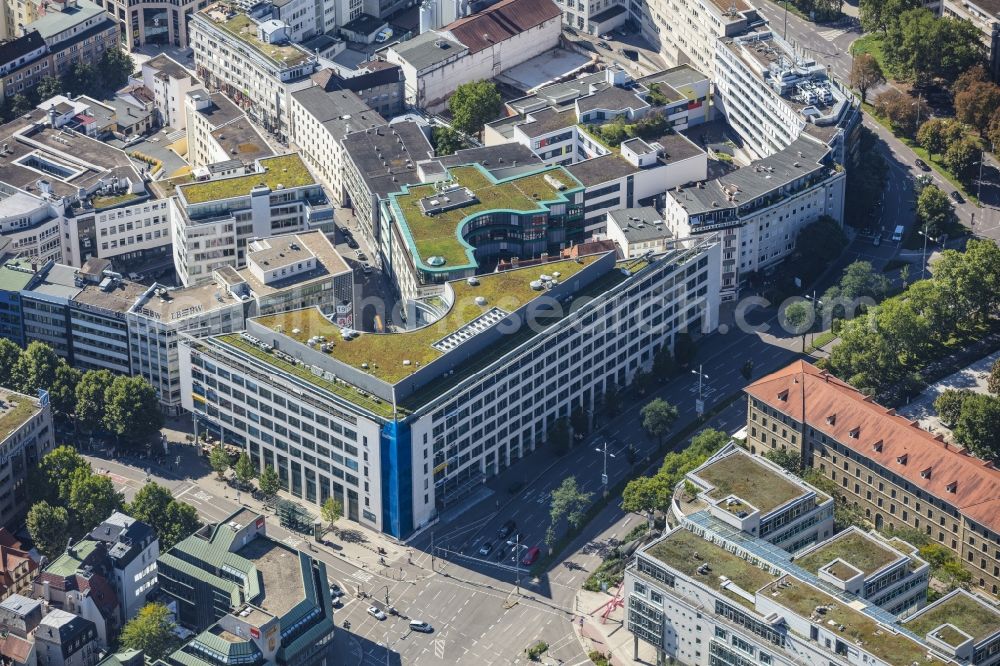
(16, 409)
(386, 157)
(601, 169)
(242, 141)
(58, 282)
(854, 547)
(286, 171)
(244, 28)
(281, 574)
(877, 639)
(180, 303)
(687, 552)
(439, 235)
(15, 274)
(316, 242)
(749, 480)
(975, 617)
(384, 353)
(120, 297)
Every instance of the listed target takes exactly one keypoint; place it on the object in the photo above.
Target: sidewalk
(609, 637)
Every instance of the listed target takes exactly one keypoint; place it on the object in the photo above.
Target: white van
(897, 235)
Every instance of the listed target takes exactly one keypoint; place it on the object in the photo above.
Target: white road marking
(363, 576)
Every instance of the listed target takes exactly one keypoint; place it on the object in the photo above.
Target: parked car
(530, 557)
(500, 554)
(604, 45)
(351, 243)
(877, 240)
(335, 590)
(366, 268)
(486, 548)
(376, 613)
(922, 165)
(420, 625)
(515, 539)
(507, 528)
(384, 35)
(957, 197)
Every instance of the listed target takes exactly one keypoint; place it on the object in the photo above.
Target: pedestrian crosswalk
(832, 34)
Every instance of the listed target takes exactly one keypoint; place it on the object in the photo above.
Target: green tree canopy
(181, 522)
(866, 74)
(932, 135)
(62, 392)
(269, 483)
(49, 528)
(799, 317)
(474, 104)
(880, 15)
(92, 499)
(244, 469)
(920, 46)
(788, 460)
(49, 87)
(446, 141)
(948, 405)
(172, 519)
(658, 417)
(9, 354)
(568, 502)
(218, 460)
(91, 394)
(132, 411)
(993, 383)
(332, 511)
(976, 104)
(935, 212)
(52, 479)
(962, 158)
(978, 425)
(646, 494)
(151, 631)
(35, 368)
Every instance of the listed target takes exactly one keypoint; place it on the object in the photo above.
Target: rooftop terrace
(858, 628)
(862, 552)
(286, 171)
(749, 480)
(281, 574)
(244, 28)
(384, 353)
(440, 236)
(962, 610)
(15, 410)
(687, 552)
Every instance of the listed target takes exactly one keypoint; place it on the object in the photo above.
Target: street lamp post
(699, 406)
(816, 302)
(979, 184)
(604, 476)
(923, 258)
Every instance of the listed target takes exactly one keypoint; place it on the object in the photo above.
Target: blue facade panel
(397, 479)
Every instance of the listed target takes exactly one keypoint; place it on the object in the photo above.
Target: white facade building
(760, 209)
(169, 82)
(29, 435)
(400, 426)
(219, 132)
(231, 55)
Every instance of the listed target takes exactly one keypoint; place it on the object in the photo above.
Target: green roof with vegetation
(750, 481)
(439, 235)
(859, 630)
(111, 201)
(17, 411)
(286, 171)
(384, 353)
(979, 620)
(853, 547)
(687, 552)
(15, 274)
(244, 28)
(68, 565)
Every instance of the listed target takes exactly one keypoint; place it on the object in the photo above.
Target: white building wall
(129, 229)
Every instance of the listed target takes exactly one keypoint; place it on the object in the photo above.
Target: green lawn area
(438, 235)
(286, 170)
(823, 339)
(972, 617)
(753, 483)
(18, 410)
(872, 44)
(855, 549)
(108, 202)
(384, 353)
(938, 166)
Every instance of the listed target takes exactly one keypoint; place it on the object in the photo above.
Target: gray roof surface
(613, 98)
(119, 298)
(675, 147)
(168, 66)
(56, 22)
(676, 77)
(340, 111)
(756, 179)
(364, 148)
(558, 92)
(599, 170)
(58, 282)
(423, 52)
(546, 121)
(501, 155)
(640, 224)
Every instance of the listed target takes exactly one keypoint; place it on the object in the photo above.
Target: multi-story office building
(257, 70)
(162, 316)
(757, 497)
(380, 160)
(156, 23)
(212, 220)
(320, 121)
(770, 95)
(398, 426)
(26, 434)
(962, 626)
(15, 274)
(219, 133)
(760, 209)
(248, 597)
(443, 230)
(377, 82)
(708, 600)
(899, 475)
(169, 83)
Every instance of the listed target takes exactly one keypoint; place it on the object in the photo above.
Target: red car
(530, 557)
